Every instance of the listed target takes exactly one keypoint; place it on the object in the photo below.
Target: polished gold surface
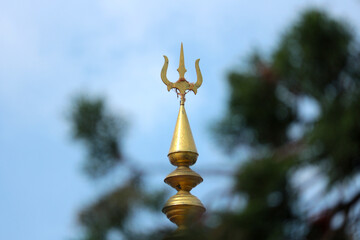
(183, 208)
(182, 140)
(182, 86)
(182, 215)
(183, 197)
(182, 70)
(183, 158)
(183, 178)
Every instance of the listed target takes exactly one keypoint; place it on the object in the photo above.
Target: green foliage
(312, 55)
(100, 132)
(268, 213)
(336, 139)
(110, 212)
(256, 115)
(113, 210)
(316, 58)
(266, 175)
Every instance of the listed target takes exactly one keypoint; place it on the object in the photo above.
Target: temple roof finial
(183, 153)
(182, 86)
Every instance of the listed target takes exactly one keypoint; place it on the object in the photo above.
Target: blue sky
(52, 50)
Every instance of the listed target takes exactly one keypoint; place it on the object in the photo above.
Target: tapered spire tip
(182, 70)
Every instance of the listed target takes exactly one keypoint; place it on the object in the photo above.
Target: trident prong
(182, 86)
(182, 70)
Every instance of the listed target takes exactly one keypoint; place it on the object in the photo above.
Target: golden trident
(182, 86)
(183, 208)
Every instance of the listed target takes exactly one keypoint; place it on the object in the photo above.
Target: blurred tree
(317, 60)
(101, 132)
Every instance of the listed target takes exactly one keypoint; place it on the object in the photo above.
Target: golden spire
(183, 207)
(183, 140)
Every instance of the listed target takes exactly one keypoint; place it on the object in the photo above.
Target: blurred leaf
(109, 212)
(336, 136)
(256, 114)
(313, 54)
(100, 131)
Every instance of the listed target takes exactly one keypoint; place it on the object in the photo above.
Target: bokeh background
(68, 67)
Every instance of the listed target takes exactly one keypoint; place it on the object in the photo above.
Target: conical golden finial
(182, 139)
(183, 207)
(182, 70)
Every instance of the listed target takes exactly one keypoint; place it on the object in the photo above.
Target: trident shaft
(182, 86)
